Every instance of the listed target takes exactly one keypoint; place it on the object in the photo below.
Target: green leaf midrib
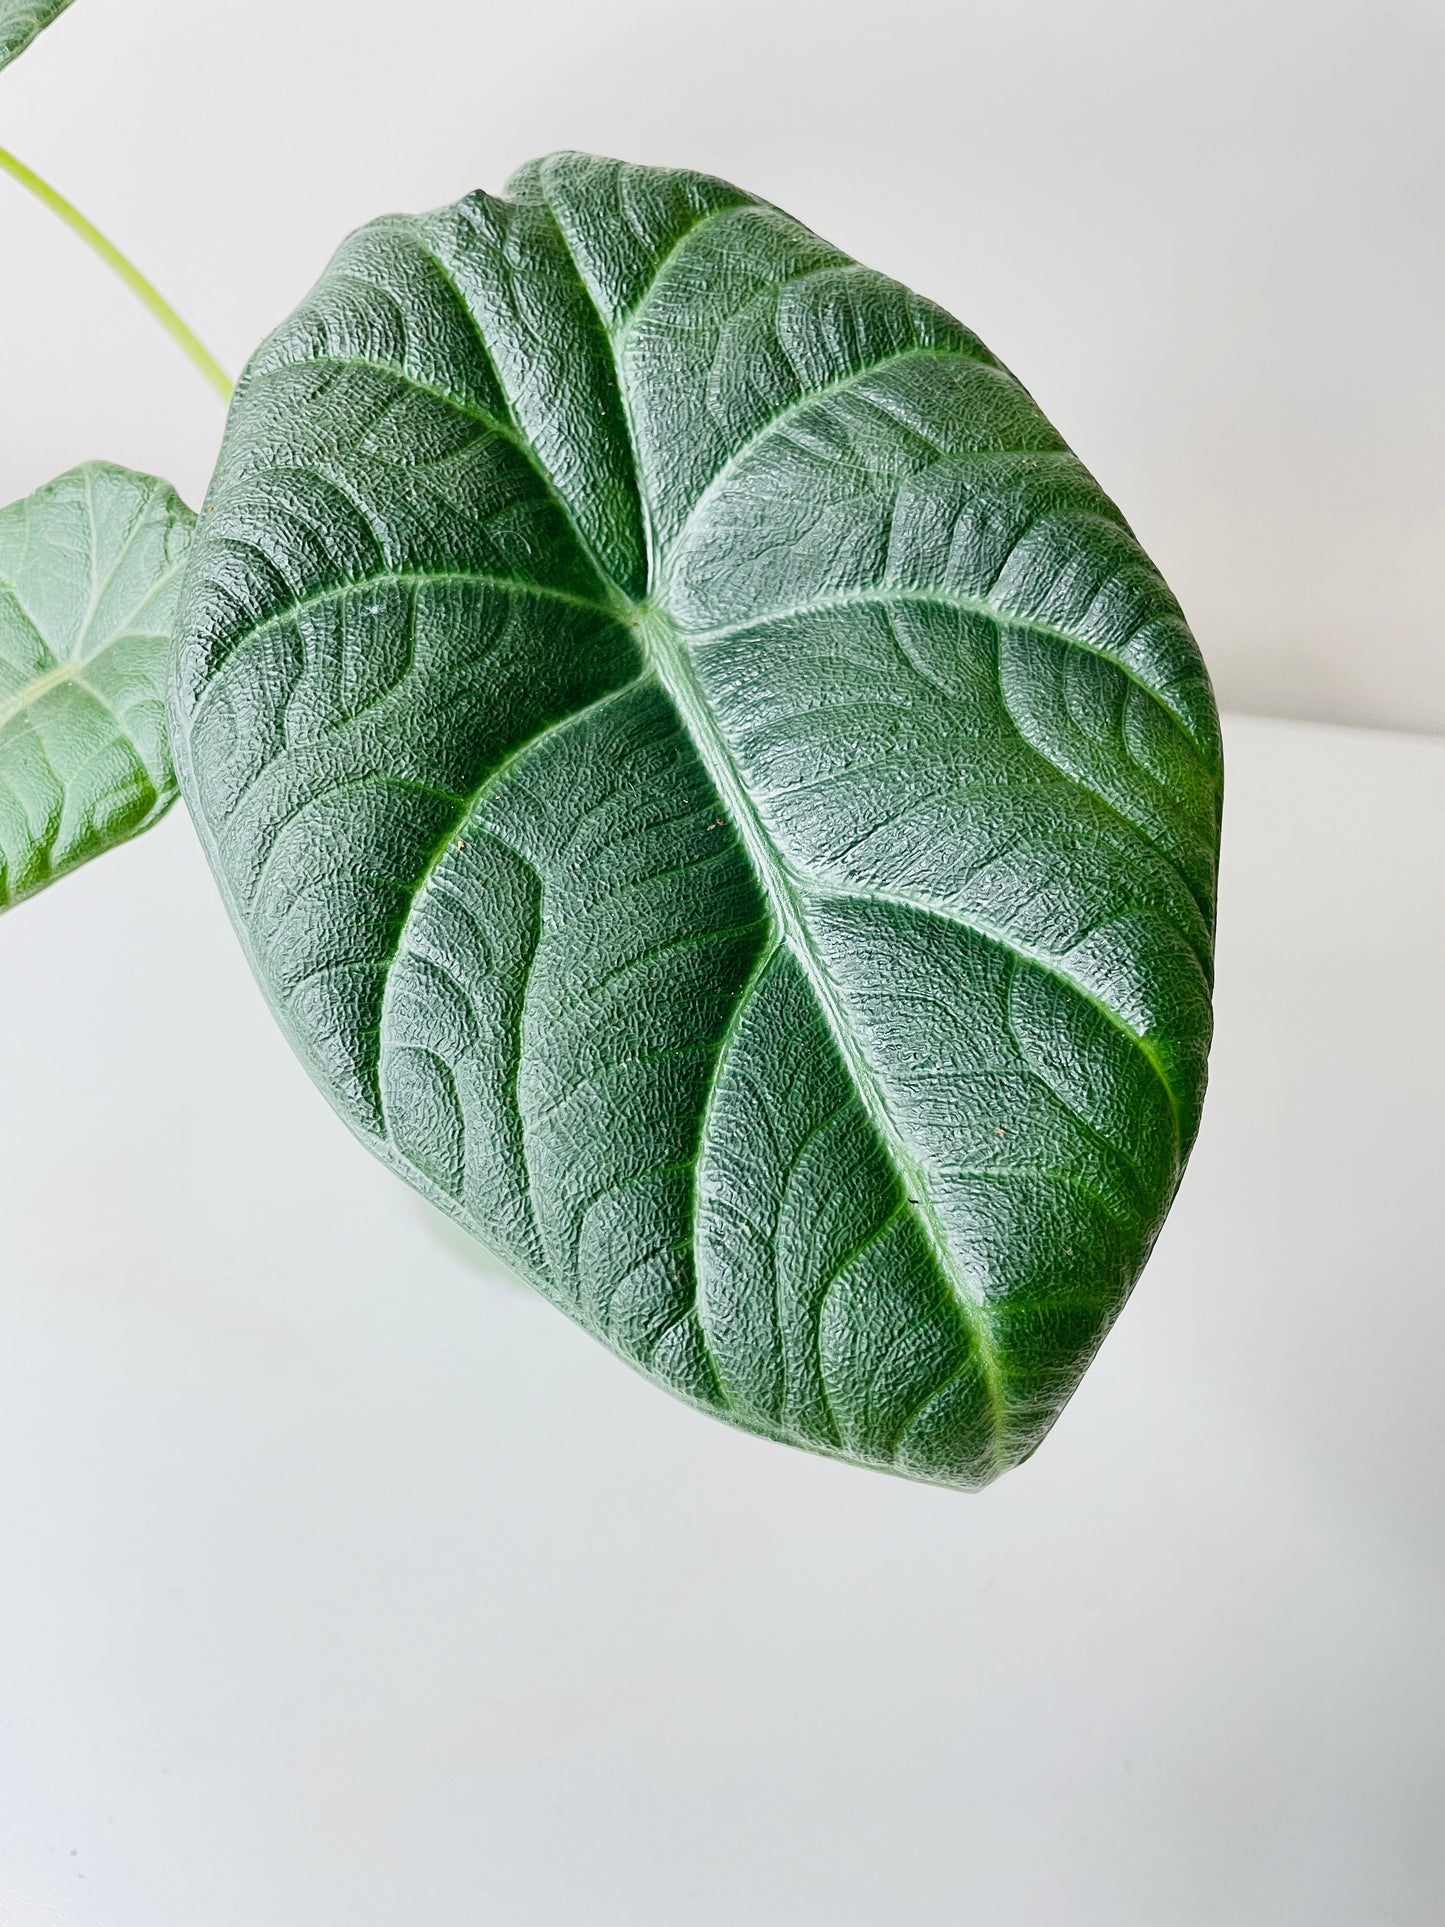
(667, 648)
(64, 669)
(32, 692)
(71, 671)
(668, 656)
(74, 667)
(620, 604)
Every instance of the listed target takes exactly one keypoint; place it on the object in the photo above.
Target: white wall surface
(345, 1584)
(342, 1581)
(1207, 237)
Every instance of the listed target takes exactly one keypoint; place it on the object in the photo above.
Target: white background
(1208, 237)
(345, 1584)
(341, 1581)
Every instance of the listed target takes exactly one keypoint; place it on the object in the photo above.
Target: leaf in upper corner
(21, 21)
(89, 568)
(717, 797)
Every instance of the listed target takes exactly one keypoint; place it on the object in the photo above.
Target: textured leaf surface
(89, 570)
(21, 21)
(718, 798)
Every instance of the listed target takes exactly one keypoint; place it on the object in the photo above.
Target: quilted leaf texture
(89, 570)
(718, 799)
(21, 21)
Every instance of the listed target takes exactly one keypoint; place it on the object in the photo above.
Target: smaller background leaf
(21, 21)
(89, 567)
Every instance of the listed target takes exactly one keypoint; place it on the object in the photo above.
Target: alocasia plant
(89, 567)
(717, 797)
(88, 576)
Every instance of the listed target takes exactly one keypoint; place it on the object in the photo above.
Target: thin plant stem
(149, 296)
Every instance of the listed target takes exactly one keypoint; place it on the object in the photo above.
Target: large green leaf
(21, 21)
(89, 568)
(717, 797)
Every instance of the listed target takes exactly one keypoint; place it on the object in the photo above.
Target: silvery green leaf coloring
(89, 569)
(717, 797)
(21, 21)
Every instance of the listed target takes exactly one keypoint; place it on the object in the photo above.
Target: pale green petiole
(145, 292)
